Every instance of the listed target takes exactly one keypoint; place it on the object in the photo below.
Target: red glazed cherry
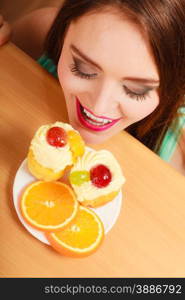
(57, 137)
(100, 176)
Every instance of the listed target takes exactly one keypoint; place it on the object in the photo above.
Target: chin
(88, 136)
(92, 138)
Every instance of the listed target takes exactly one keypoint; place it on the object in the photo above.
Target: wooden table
(148, 238)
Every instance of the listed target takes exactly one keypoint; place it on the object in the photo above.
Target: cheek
(137, 110)
(146, 109)
(69, 82)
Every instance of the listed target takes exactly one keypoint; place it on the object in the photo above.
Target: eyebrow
(142, 80)
(85, 57)
(135, 79)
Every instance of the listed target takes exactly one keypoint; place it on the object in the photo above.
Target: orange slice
(48, 206)
(81, 237)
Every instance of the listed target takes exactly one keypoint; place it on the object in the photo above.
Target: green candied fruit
(79, 177)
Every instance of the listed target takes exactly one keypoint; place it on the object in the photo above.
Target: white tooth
(95, 118)
(86, 111)
(89, 114)
(91, 122)
(92, 117)
(100, 120)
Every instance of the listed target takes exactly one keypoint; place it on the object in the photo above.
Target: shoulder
(29, 32)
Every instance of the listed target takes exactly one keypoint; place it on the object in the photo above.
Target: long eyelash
(138, 97)
(75, 69)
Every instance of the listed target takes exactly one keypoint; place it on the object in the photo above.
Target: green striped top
(48, 64)
(172, 135)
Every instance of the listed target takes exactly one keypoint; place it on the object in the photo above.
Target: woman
(121, 64)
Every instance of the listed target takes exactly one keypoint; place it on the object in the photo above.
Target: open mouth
(91, 121)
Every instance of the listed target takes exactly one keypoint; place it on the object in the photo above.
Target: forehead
(114, 43)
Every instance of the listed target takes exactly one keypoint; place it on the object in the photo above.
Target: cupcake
(96, 178)
(53, 149)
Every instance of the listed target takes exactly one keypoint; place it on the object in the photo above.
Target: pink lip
(91, 126)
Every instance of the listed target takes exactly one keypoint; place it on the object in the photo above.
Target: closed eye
(137, 96)
(76, 70)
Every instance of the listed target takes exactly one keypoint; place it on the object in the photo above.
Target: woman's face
(108, 76)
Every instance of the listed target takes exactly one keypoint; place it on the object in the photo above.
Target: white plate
(108, 213)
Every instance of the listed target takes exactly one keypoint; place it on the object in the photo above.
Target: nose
(104, 98)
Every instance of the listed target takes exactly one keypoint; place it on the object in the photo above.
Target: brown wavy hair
(163, 21)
